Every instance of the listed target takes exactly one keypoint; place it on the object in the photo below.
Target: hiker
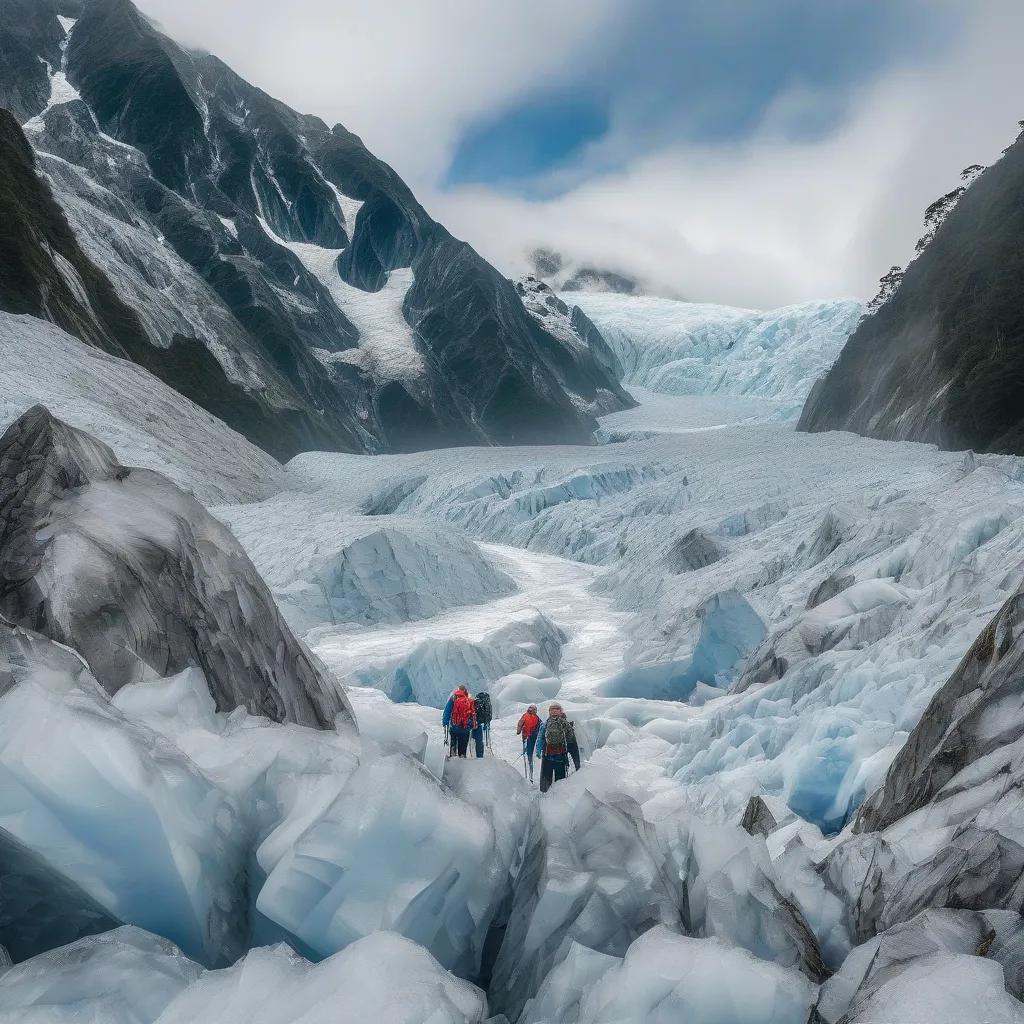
(556, 741)
(527, 728)
(483, 721)
(459, 718)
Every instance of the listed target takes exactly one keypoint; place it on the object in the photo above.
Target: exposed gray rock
(694, 550)
(141, 580)
(764, 814)
(946, 828)
(235, 246)
(829, 588)
(975, 721)
(873, 971)
(940, 361)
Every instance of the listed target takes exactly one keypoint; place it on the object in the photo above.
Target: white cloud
(407, 76)
(770, 222)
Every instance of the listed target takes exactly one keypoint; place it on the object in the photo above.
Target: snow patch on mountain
(387, 345)
(61, 90)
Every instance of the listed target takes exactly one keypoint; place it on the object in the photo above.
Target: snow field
(387, 348)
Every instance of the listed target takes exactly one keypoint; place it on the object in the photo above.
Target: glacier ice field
(727, 609)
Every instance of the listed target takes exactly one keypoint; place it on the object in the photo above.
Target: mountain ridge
(204, 202)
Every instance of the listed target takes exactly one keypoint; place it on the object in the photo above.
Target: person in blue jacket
(556, 743)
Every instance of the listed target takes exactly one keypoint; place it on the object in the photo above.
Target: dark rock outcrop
(248, 243)
(694, 550)
(944, 829)
(976, 718)
(831, 587)
(45, 273)
(763, 815)
(141, 580)
(943, 359)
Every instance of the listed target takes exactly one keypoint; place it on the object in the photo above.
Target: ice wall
(683, 348)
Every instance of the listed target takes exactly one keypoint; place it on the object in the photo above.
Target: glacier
(748, 626)
(684, 348)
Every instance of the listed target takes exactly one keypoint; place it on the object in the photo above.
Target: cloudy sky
(754, 152)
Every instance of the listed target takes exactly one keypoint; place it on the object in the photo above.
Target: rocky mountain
(260, 262)
(566, 275)
(577, 331)
(942, 358)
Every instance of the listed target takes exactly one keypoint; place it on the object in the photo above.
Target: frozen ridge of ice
(631, 890)
(683, 348)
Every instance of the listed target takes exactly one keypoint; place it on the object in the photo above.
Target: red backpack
(462, 711)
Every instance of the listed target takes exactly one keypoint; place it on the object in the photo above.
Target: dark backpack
(483, 708)
(462, 711)
(558, 734)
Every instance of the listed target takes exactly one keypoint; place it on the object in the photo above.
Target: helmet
(554, 707)
(533, 708)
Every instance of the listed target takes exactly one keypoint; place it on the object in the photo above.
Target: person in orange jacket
(527, 728)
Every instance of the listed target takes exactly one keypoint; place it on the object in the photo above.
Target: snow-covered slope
(145, 422)
(683, 348)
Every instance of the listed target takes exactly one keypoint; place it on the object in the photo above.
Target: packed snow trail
(557, 587)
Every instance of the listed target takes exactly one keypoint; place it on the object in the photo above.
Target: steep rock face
(590, 356)
(45, 273)
(141, 580)
(278, 257)
(943, 360)
(944, 965)
(946, 829)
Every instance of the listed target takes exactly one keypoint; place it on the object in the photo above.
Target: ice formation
(665, 976)
(330, 570)
(684, 348)
(124, 816)
(793, 665)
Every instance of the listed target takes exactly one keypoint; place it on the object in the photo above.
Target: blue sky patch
(699, 72)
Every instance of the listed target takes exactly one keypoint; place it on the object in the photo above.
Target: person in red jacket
(527, 728)
(459, 718)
